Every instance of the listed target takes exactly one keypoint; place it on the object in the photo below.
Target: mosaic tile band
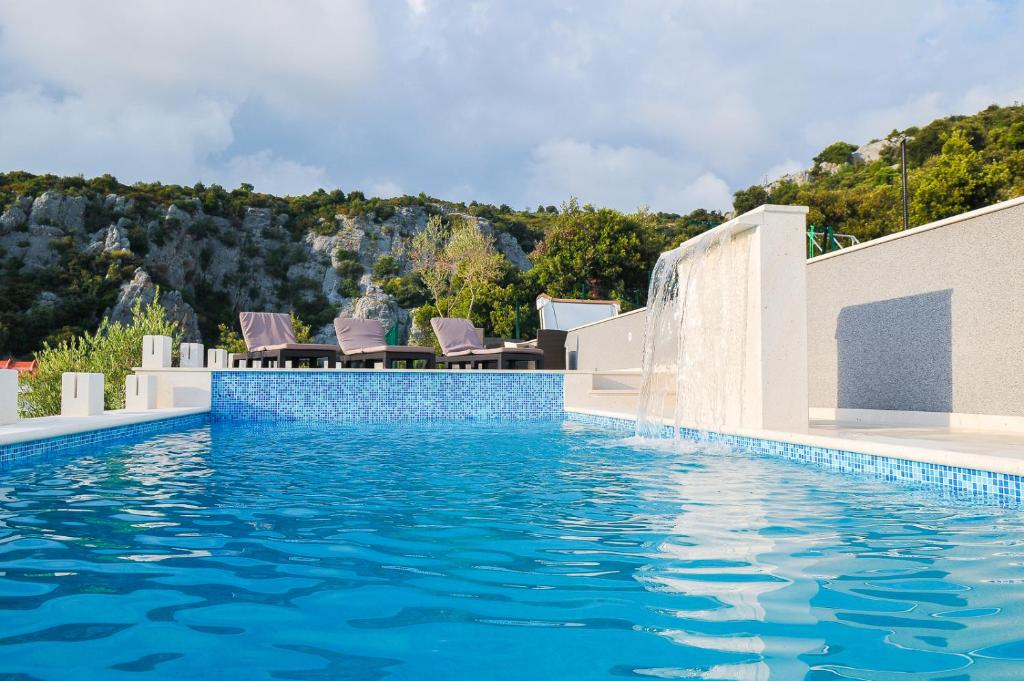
(385, 395)
(982, 486)
(60, 443)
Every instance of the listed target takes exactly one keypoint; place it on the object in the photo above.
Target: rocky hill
(74, 254)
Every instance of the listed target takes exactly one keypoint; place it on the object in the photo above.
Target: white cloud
(149, 90)
(659, 102)
(623, 177)
(385, 189)
(267, 172)
(787, 167)
(72, 135)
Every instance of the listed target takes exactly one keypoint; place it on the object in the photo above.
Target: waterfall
(695, 349)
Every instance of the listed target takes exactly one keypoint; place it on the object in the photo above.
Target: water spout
(695, 343)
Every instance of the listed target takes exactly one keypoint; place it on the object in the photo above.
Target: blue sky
(672, 105)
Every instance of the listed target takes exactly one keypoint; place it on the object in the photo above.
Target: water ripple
(490, 550)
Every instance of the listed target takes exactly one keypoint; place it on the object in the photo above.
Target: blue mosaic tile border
(978, 485)
(385, 395)
(59, 443)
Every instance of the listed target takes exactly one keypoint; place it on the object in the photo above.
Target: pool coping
(49, 427)
(962, 472)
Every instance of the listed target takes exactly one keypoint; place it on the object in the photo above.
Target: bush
(113, 350)
(349, 270)
(385, 268)
(837, 152)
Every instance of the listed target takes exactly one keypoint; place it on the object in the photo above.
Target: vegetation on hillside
(954, 164)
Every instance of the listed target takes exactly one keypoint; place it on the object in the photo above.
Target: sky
(667, 104)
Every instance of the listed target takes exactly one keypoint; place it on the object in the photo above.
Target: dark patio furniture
(362, 342)
(270, 341)
(552, 342)
(462, 348)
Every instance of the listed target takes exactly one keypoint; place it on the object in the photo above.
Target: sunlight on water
(490, 550)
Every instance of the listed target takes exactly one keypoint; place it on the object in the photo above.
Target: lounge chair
(270, 339)
(462, 347)
(363, 342)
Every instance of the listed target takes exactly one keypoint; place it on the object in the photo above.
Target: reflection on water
(490, 550)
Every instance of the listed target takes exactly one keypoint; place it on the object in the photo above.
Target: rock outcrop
(141, 287)
(55, 209)
(248, 259)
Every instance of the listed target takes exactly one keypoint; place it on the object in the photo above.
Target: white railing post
(139, 392)
(81, 394)
(8, 396)
(217, 359)
(190, 355)
(156, 352)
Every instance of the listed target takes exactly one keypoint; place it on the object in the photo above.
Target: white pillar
(8, 396)
(81, 394)
(777, 319)
(191, 355)
(139, 392)
(217, 358)
(156, 352)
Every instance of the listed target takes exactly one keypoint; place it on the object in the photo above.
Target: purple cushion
(357, 334)
(455, 335)
(261, 329)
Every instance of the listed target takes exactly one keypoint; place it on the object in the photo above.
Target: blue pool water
(489, 550)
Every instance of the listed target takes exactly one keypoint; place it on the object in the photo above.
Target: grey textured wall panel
(932, 321)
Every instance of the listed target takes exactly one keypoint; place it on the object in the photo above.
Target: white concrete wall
(615, 343)
(176, 388)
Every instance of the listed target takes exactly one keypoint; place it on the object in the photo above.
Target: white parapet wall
(8, 396)
(81, 394)
(179, 387)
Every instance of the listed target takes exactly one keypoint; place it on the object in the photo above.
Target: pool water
(490, 550)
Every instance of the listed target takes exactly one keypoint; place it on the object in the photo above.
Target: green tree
(956, 181)
(837, 152)
(748, 199)
(432, 262)
(598, 254)
(476, 262)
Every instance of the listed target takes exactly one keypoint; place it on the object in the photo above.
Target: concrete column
(776, 384)
(81, 394)
(217, 359)
(140, 392)
(190, 355)
(8, 396)
(156, 352)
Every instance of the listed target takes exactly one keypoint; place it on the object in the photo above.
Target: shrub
(385, 267)
(837, 152)
(349, 270)
(112, 351)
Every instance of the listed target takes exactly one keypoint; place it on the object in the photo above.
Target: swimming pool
(487, 549)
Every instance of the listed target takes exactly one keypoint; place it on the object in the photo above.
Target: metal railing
(821, 240)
